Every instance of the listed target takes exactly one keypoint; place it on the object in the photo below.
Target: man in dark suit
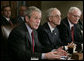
(6, 23)
(6, 18)
(22, 45)
(66, 26)
(20, 18)
(81, 22)
(48, 33)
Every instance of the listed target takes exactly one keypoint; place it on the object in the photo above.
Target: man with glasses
(69, 31)
(48, 33)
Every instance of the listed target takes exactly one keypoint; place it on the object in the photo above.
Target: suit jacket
(65, 33)
(19, 46)
(19, 20)
(47, 39)
(80, 24)
(3, 21)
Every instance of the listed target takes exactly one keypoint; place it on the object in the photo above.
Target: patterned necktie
(72, 33)
(32, 34)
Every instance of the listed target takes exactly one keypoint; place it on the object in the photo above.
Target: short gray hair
(30, 9)
(74, 8)
(49, 11)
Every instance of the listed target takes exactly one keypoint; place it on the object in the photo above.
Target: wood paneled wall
(13, 5)
(34, 3)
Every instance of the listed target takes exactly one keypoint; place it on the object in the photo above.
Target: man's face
(22, 9)
(7, 12)
(55, 17)
(34, 20)
(74, 17)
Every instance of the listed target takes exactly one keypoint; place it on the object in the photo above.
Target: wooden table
(77, 56)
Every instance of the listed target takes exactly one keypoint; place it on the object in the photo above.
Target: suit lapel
(21, 20)
(27, 36)
(28, 39)
(67, 24)
(68, 27)
(75, 31)
(5, 21)
(36, 39)
(47, 29)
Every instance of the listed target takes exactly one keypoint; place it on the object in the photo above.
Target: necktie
(72, 33)
(11, 23)
(32, 34)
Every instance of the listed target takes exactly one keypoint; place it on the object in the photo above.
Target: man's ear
(49, 18)
(26, 18)
(68, 14)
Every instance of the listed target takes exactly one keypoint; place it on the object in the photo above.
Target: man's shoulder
(43, 28)
(64, 22)
(64, 19)
(3, 18)
(20, 27)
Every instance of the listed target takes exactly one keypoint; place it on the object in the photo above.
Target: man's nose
(38, 20)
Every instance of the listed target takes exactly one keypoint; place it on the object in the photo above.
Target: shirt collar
(22, 18)
(51, 28)
(8, 19)
(29, 29)
(70, 24)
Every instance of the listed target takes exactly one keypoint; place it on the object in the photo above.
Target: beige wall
(63, 6)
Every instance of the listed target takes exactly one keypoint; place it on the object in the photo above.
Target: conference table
(76, 56)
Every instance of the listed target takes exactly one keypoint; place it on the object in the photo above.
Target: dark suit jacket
(65, 33)
(3, 21)
(80, 24)
(19, 20)
(47, 39)
(19, 46)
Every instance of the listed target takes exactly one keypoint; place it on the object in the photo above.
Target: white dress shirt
(51, 28)
(22, 18)
(8, 19)
(70, 24)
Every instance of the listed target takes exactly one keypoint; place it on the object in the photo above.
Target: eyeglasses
(57, 16)
(75, 16)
